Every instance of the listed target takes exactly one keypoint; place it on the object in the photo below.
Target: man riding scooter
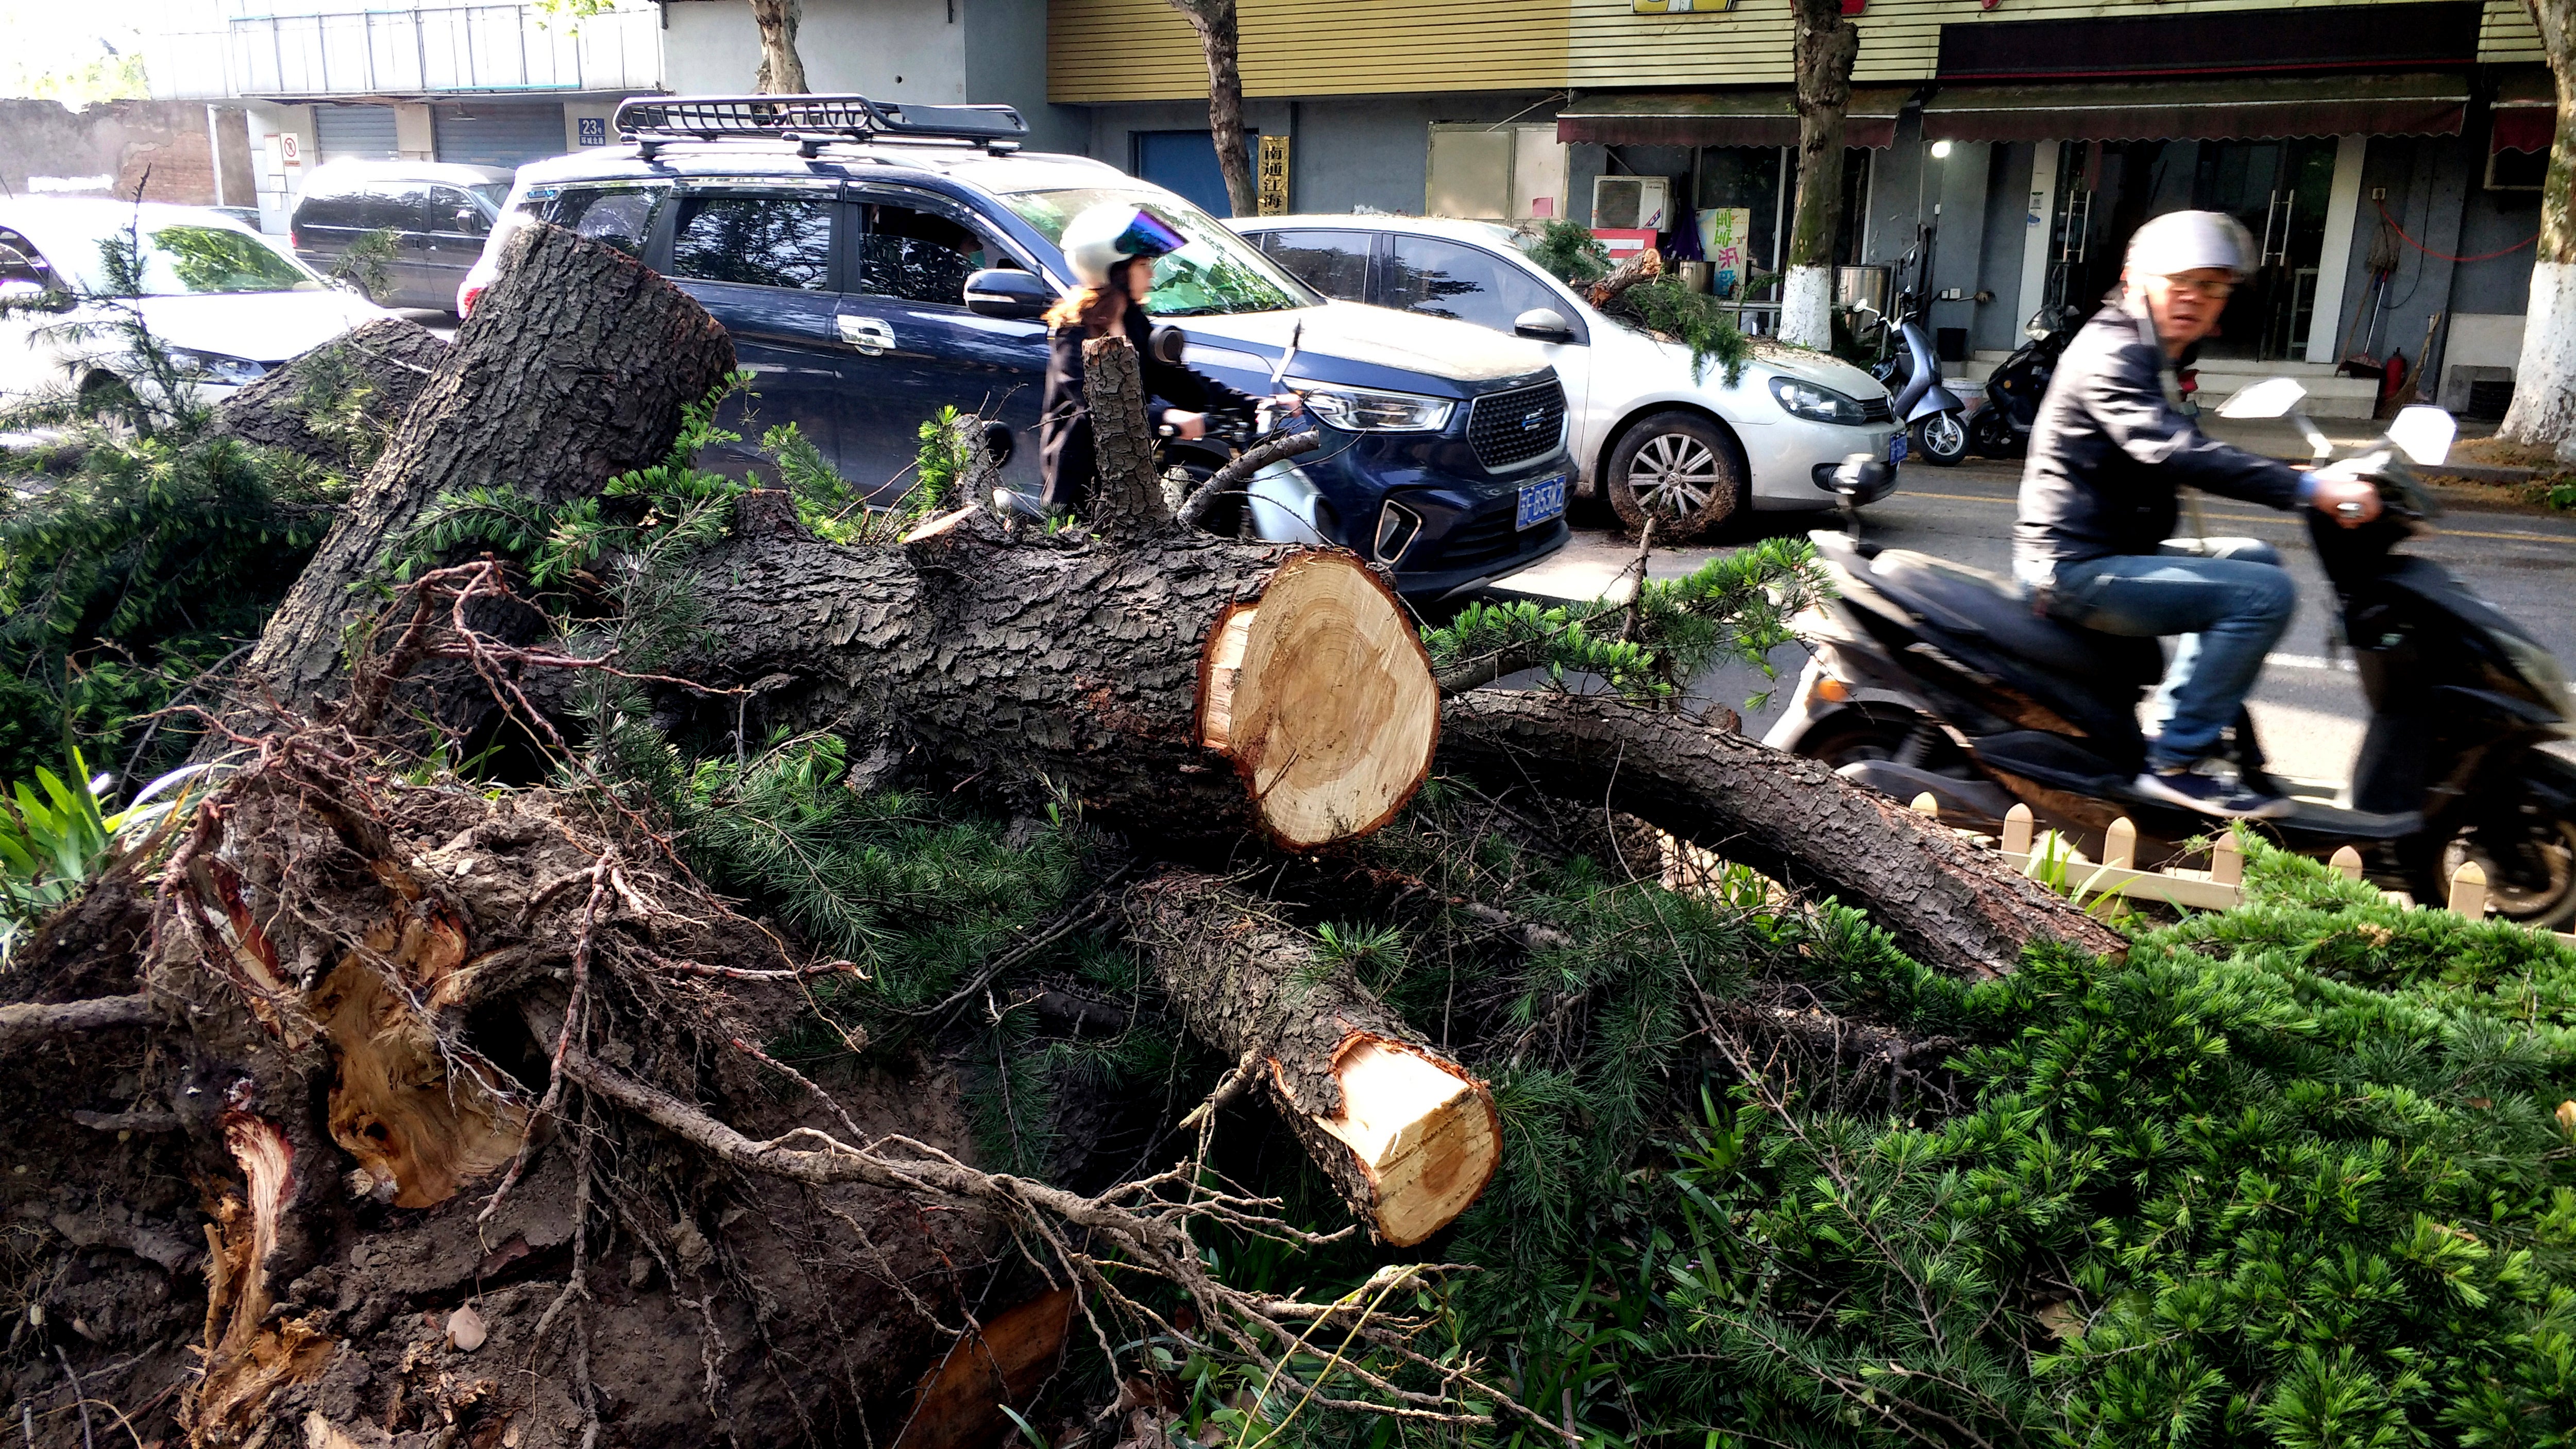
(2093, 544)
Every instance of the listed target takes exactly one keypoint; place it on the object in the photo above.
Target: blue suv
(876, 262)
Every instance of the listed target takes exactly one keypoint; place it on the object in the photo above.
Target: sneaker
(2212, 787)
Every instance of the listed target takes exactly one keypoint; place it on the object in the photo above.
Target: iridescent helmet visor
(1148, 236)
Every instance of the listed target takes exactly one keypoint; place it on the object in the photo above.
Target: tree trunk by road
(1215, 22)
(2544, 386)
(782, 70)
(1827, 43)
(1948, 905)
(574, 368)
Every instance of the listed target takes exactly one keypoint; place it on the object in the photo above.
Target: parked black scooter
(2001, 427)
(1912, 371)
(1931, 676)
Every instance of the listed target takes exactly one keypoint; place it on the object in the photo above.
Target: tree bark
(1174, 683)
(1826, 45)
(1215, 22)
(574, 368)
(1646, 265)
(377, 372)
(1948, 905)
(1128, 489)
(2544, 388)
(1405, 1135)
(782, 69)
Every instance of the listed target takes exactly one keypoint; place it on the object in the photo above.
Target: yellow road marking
(2282, 518)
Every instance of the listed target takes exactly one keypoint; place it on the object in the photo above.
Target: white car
(227, 303)
(1647, 435)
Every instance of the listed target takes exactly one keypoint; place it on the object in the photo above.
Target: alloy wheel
(1945, 438)
(1675, 474)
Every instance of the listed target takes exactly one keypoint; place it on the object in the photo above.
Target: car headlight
(1816, 404)
(218, 368)
(1366, 410)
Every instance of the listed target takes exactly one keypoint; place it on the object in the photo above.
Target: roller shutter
(498, 133)
(355, 133)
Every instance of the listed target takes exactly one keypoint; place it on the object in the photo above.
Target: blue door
(1185, 161)
(760, 261)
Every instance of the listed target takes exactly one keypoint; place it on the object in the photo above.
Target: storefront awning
(1766, 117)
(2202, 110)
(2526, 113)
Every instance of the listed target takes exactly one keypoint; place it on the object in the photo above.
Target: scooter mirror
(1168, 343)
(2423, 434)
(2273, 397)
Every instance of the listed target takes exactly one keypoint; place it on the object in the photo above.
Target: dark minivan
(876, 263)
(439, 214)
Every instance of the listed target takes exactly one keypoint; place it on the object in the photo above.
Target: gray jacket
(2110, 447)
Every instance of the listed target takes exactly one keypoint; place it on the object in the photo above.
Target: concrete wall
(108, 149)
(891, 50)
(283, 151)
(932, 52)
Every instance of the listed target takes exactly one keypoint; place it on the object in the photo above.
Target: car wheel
(1677, 469)
(1942, 438)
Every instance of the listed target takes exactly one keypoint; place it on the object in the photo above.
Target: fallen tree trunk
(1177, 684)
(366, 380)
(1948, 905)
(574, 368)
(1405, 1135)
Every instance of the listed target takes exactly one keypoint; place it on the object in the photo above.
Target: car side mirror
(1543, 324)
(2423, 434)
(1007, 292)
(2273, 397)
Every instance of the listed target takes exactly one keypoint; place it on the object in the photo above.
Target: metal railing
(415, 50)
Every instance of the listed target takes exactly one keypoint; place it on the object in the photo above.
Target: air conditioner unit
(1630, 203)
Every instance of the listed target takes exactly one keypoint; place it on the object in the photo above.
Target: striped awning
(1765, 116)
(2236, 109)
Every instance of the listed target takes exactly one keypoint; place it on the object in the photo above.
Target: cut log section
(1323, 697)
(1177, 684)
(1408, 1137)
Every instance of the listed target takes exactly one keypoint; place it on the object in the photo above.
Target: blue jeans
(2229, 600)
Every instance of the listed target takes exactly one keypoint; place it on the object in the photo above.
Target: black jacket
(1065, 457)
(2109, 448)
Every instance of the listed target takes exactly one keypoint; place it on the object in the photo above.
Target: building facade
(500, 84)
(2386, 154)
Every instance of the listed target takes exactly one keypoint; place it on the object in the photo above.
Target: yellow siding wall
(1137, 50)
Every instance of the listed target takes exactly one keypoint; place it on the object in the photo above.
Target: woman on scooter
(1111, 249)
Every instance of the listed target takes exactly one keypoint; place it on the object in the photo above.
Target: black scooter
(1911, 369)
(1931, 676)
(2000, 428)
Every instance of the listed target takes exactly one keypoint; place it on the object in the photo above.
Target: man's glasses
(2214, 291)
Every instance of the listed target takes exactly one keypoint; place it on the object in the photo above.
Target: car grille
(1488, 537)
(1879, 409)
(1513, 427)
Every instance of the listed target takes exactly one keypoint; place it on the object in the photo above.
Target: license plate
(1896, 449)
(1541, 501)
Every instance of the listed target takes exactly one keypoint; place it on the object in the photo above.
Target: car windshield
(1216, 273)
(183, 259)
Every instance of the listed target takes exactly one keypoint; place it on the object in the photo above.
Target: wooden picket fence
(2215, 889)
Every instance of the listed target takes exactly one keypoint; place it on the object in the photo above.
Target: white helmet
(2186, 241)
(1110, 233)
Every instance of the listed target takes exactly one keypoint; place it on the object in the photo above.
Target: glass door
(2278, 189)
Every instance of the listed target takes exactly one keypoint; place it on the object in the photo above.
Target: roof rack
(812, 122)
